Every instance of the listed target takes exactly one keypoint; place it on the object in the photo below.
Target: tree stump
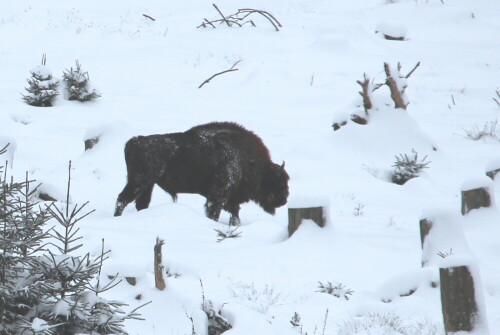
(475, 198)
(159, 281)
(90, 142)
(458, 300)
(425, 228)
(296, 215)
(131, 280)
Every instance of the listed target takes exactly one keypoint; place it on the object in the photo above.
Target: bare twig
(240, 18)
(498, 96)
(413, 70)
(223, 17)
(148, 17)
(231, 69)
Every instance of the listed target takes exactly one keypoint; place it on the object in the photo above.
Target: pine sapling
(408, 167)
(42, 89)
(77, 85)
(338, 290)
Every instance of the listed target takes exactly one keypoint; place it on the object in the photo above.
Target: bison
(222, 161)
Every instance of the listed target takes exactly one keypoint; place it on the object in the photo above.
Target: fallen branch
(413, 70)
(218, 74)
(240, 18)
(223, 17)
(148, 17)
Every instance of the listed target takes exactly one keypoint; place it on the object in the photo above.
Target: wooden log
(458, 300)
(159, 281)
(296, 215)
(91, 142)
(475, 198)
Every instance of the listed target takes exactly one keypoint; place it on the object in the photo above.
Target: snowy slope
(289, 87)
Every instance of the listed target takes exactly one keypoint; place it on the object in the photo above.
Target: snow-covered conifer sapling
(42, 87)
(77, 85)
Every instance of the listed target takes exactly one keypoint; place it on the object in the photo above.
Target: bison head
(273, 188)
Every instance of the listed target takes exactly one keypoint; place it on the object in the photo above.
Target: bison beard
(221, 161)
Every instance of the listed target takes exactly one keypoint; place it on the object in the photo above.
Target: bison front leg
(129, 194)
(213, 208)
(234, 210)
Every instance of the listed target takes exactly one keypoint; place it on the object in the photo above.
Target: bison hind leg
(144, 198)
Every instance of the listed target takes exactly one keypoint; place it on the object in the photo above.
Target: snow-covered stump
(90, 142)
(307, 208)
(159, 281)
(492, 173)
(461, 298)
(391, 32)
(493, 168)
(476, 194)
(93, 135)
(296, 215)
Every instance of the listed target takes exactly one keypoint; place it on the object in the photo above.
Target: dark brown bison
(222, 161)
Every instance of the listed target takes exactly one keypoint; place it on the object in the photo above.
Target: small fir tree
(408, 167)
(73, 300)
(42, 89)
(21, 237)
(77, 85)
(44, 287)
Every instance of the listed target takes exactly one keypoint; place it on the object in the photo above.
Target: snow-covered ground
(289, 88)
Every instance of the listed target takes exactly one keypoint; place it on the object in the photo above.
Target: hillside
(290, 86)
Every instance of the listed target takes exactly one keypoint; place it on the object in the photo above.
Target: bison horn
(283, 166)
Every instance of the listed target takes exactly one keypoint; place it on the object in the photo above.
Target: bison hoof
(234, 221)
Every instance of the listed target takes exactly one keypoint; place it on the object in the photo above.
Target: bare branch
(219, 73)
(148, 17)
(240, 18)
(223, 17)
(498, 95)
(413, 70)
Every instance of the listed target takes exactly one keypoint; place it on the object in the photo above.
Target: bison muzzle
(221, 161)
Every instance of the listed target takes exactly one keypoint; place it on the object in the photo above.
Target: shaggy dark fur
(222, 161)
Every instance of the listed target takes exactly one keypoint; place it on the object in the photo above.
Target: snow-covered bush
(489, 130)
(76, 84)
(45, 288)
(42, 89)
(407, 167)
(338, 290)
(260, 300)
(388, 324)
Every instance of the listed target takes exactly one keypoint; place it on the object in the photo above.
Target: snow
(289, 87)
(476, 182)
